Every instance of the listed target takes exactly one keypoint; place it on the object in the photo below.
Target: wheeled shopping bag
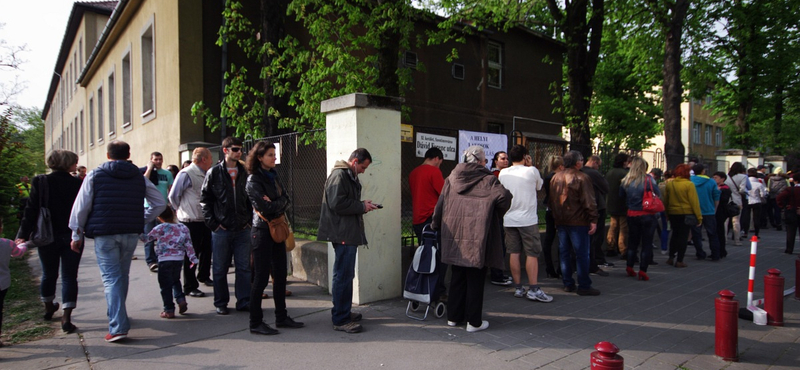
(422, 277)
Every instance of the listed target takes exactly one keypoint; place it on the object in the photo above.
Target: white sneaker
(472, 329)
(538, 295)
(519, 292)
(451, 323)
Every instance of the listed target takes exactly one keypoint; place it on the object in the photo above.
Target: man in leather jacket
(228, 213)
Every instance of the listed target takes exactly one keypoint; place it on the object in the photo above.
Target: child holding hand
(8, 249)
(173, 243)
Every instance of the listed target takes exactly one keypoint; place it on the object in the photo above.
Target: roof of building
(73, 23)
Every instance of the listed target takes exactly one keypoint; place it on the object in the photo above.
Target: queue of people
(486, 220)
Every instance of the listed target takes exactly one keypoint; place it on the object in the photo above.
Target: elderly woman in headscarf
(467, 216)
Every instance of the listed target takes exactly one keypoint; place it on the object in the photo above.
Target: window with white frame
(91, 121)
(495, 65)
(148, 72)
(127, 109)
(708, 135)
(696, 133)
(112, 101)
(718, 137)
(100, 122)
(81, 133)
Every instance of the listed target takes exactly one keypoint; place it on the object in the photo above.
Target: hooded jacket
(341, 219)
(707, 193)
(468, 216)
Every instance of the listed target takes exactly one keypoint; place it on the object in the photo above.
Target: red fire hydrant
(606, 358)
(726, 333)
(773, 297)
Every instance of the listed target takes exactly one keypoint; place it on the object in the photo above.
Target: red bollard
(773, 297)
(606, 358)
(726, 333)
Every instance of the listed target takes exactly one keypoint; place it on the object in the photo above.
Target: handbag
(732, 209)
(43, 235)
(650, 201)
(278, 229)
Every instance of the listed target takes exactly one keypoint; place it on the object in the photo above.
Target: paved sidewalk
(664, 323)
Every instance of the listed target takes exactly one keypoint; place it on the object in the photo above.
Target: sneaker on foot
(451, 323)
(115, 337)
(607, 264)
(503, 282)
(472, 329)
(539, 295)
(519, 292)
(153, 267)
(350, 327)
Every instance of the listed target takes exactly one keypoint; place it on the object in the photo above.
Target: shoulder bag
(650, 201)
(43, 235)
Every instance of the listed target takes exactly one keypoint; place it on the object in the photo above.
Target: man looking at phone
(341, 222)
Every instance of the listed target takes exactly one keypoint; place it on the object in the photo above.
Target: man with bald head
(185, 197)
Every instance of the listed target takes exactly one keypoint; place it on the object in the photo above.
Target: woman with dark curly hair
(683, 209)
(62, 189)
(270, 201)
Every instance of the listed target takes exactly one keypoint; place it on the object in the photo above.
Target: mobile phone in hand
(378, 205)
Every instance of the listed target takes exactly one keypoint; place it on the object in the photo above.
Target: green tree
(21, 154)
(347, 46)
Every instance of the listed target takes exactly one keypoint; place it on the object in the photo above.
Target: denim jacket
(634, 191)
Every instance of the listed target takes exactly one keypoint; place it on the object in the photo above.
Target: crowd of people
(198, 221)
(488, 219)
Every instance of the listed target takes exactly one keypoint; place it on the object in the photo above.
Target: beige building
(701, 135)
(124, 73)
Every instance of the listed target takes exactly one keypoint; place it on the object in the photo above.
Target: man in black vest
(109, 209)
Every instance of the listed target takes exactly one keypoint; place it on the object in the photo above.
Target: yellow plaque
(406, 133)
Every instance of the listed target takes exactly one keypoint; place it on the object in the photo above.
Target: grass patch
(22, 313)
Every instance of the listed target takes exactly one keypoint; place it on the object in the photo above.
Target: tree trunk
(672, 89)
(272, 31)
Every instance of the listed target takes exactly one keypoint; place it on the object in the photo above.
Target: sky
(40, 25)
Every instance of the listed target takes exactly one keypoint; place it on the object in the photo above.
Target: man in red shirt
(426, 182)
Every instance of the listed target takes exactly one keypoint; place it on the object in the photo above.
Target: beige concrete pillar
(371, 122)
(730, 156)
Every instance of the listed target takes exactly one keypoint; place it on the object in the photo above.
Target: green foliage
(22, 314)
(21, 154)
(339, 55)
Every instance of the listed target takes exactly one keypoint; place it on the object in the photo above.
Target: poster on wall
(446, 143)
(491, 143)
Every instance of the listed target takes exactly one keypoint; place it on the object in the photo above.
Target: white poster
(491, 143)
(446, 143)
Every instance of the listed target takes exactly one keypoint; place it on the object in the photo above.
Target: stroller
(420, 286)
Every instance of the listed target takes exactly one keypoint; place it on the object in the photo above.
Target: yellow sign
(406, 133)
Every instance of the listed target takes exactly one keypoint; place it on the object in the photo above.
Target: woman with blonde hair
(641, 223)
(683, 209)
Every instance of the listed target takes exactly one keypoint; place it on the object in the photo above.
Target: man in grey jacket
(341, 222)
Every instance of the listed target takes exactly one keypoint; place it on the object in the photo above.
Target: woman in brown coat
(468, 216)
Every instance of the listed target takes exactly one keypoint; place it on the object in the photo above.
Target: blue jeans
(149, 247)
(169, 280)
(344, 270)
(710, 224)
(50, 257)
(114, 253)
(574, 238)
(225, 245)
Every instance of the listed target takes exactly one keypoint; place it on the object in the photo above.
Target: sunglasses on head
(235, 149)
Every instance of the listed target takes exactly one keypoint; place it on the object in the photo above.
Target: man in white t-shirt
(521, 223)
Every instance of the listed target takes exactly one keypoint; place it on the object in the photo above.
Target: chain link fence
(303, 169)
